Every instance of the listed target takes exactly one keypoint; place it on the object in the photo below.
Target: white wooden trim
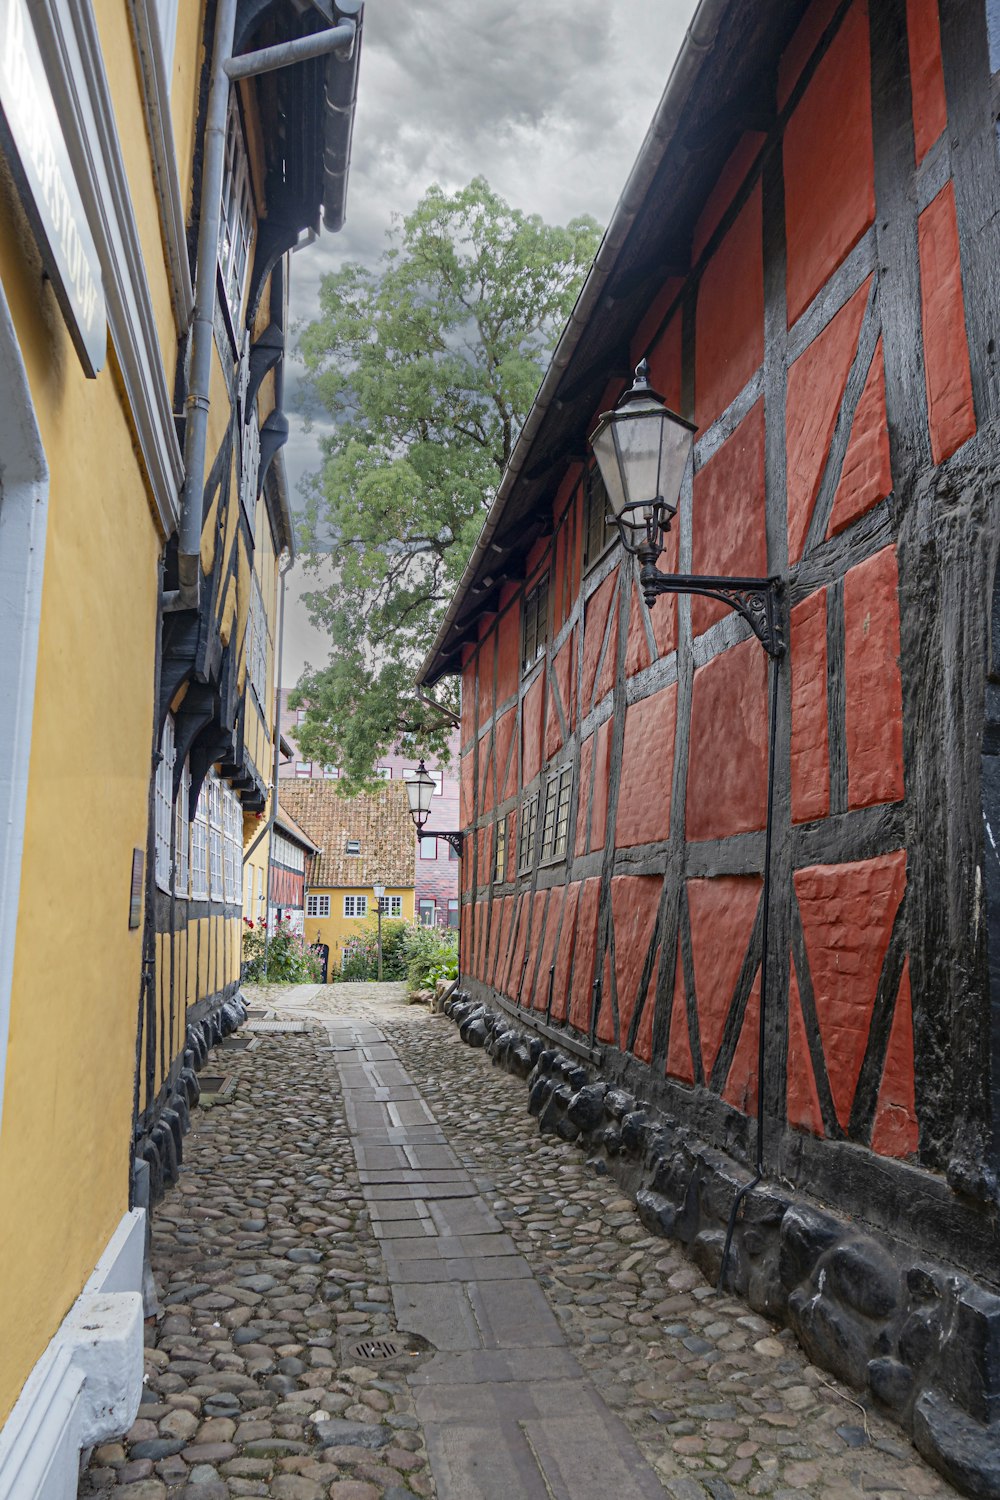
(24, 498)
(148, 22)
(87, 1385)
(70, 46)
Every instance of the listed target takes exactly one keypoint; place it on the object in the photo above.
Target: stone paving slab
(403, 1271)
(495, 1366)
(451, 1246)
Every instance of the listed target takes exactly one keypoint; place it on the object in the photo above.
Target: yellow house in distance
(363, 841)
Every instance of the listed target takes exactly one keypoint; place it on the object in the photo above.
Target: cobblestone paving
(268, 1264)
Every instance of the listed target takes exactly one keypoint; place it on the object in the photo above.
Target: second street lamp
(379, 892)
(642, 449)
(420, 788)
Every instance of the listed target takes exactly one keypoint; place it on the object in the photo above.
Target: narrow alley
(376, 1280)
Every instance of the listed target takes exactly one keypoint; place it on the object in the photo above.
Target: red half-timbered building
(807, 255)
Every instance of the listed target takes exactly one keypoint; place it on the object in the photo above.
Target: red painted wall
(657, 895)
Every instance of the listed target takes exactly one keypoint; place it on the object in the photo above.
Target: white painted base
(87, 1385)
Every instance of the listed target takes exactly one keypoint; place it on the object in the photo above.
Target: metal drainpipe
(225, 68)
(187, 596)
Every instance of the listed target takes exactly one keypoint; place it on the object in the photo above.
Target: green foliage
(284, 959)
(361, 952)
(428, 365)
(420, 955)
(433, 956)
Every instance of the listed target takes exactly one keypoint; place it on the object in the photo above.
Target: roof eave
(697, 44)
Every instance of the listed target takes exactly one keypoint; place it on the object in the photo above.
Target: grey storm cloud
(548, 101)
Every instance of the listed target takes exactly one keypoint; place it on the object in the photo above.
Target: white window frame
(384, 773)
(232, 810)
(317, 906)
(216, 839)
(236, 222)
(355, 906)
(349, 848)
(164, 805)
(199, 847)
(182, 834)
(391, 906)
(258, 639)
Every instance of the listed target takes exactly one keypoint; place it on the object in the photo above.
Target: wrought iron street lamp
(420, 788)
(642, 449)
(379, 891)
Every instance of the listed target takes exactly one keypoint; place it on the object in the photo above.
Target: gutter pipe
(273, 811)
(698, 41)
(225, 68)
(338, 39)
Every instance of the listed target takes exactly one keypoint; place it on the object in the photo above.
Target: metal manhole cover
(275, 1026)
(375, 1349)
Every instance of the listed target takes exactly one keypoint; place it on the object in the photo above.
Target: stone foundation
(160, 1132)
(922, 1340)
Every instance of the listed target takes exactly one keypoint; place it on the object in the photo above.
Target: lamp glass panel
(420, 790)
(639, 432)
(378, 891)
(606, 453)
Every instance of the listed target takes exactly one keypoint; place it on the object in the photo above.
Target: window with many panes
(164, 800)
(318, 906)
(534, 623)
(199, 846)
(232, 819)
(555, 820)
(391, 906)
(355, 906)
(526, 836)
(182, 834)
(216, 839)
(598, 535)
(257, 642)
(500, 851)
(236, 224)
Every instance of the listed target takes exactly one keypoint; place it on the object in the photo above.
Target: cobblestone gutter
(923, 1341)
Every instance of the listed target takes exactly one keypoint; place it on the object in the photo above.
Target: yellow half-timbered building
(159, 162)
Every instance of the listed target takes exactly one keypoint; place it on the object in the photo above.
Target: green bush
(433, 956)
(420, 955)
(361, 952)
(284, 959)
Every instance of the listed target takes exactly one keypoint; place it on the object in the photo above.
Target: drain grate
(275, 1026)
(375, 1349)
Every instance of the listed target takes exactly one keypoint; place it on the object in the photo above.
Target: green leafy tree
(428, 365)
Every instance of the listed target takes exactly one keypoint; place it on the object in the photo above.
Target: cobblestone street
(374, 1178)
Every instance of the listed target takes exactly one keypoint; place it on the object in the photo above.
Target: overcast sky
(548, 101)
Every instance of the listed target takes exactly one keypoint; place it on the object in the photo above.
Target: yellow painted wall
(75, 1000)
(336, 929)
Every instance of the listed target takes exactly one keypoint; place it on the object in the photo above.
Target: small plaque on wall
(135, 896)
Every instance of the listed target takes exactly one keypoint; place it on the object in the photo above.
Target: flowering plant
(273, 953)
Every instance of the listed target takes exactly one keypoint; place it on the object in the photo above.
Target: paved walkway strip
(505, 1408)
